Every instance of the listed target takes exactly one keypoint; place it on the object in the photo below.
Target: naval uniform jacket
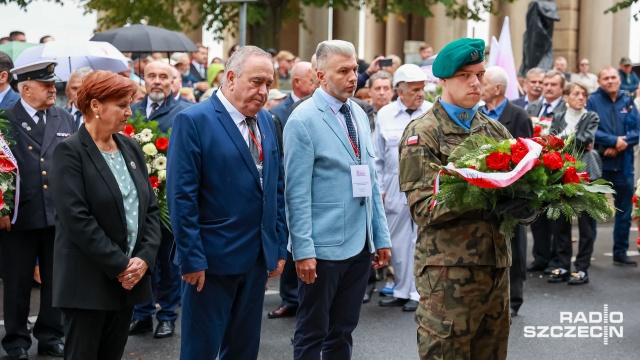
(33, 150)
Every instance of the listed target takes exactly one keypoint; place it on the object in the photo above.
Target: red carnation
(518, 151)
(155, 183)
(498, 161)
(570, 176)
(537, 129)
(5, 164)
(569, 158)
(1, 200)
(584, 176)
(552, 160)
(129, 130)
(162, 143)
(555, 142)
(634, 199)
(536, 163)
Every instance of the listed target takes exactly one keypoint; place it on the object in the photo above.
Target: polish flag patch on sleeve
(412, 140)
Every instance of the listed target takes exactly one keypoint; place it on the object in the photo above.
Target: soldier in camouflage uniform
(461, 261)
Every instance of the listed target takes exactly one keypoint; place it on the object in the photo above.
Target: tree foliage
(264, 17)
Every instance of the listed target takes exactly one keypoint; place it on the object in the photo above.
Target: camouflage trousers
(463, 313)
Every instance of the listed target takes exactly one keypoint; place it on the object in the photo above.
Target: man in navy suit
(225, 191)
(8, 97)
(159, 105)
(335, 210)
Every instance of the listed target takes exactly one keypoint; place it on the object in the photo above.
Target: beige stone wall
(565, 34)
(603, 38)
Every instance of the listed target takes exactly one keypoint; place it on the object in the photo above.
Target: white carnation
(146, 135)
(4, 187)
(160, 163)
(150, 149)
(148, 169)
(162, 175)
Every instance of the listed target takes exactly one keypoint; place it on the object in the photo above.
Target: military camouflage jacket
(446, 236)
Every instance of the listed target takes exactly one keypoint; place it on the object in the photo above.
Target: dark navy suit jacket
(10, 98)
(165, 113)
(221, 217)
(283, 110)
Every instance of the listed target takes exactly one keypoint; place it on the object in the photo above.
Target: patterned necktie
(346, 111)
(41, 125)
(253, 148)
(545, 112)
(78, 115)
(154, 107)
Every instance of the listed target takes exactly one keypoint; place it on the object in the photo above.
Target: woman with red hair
(107, 222)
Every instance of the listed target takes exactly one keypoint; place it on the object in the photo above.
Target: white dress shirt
(238, 119)
(150, 108)
(552, 106)
(32, 112)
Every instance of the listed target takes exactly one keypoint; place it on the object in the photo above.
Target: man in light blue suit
(226, 203)
(8, 97)
(335, 212)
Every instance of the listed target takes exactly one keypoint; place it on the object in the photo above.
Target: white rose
(162, 175)
(160, 163)
(146, 135)
(150, 149)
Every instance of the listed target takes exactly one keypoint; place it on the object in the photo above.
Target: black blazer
(34, 152)
(91, 231)
(196, 75)
(519, 101)
(516, 120)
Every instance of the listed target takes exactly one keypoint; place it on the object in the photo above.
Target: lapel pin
(133, 165)
(25, 125)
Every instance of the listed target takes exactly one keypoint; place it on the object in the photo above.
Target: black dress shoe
(536, 267)
(283, 311)
(164, 329)
(56, 350)
(623, 260)
(411, 306)
(514, 312)
(579, 278)
(368, 293)
(393, 302)
(557, 275)
(140, 326)
(17, 354)
(549, 269)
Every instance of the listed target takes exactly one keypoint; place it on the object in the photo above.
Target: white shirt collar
(74, 109)
(554, 103)
(293, 97)
(32, 112)
(236, 116)
(4, 93)
(150, 103)
(419, 111)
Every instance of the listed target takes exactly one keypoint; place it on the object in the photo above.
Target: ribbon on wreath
(4, 147)
(494, 179)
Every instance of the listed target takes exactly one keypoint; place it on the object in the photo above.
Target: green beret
(457, 54)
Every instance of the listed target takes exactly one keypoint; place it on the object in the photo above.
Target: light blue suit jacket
(325, 220)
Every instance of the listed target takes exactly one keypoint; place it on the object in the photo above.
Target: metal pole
(243, 24)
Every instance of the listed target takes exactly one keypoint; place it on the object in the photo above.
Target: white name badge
(360, 180)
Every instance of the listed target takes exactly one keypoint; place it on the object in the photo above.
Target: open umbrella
(73, 55)
(14, 48)
(146, 38)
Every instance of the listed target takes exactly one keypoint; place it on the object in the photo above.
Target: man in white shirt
(392, 120)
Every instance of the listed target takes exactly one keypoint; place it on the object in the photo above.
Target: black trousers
(330, 308)
(289, 283)
(96, 334)
(20, 249)
(544, 246)
(518, 270)
(587, 238)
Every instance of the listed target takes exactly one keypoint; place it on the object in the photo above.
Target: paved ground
(390, 334)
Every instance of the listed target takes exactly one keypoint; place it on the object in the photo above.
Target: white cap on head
(42, 70)
(408, 73)
(275, 94)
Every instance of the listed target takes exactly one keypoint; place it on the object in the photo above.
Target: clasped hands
(518, 208)
(306, 268)
(133, 273)
(621, 145)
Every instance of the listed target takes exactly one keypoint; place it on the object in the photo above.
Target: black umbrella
(145, 38)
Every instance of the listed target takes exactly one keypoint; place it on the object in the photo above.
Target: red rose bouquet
(543, 171)
(9, 176)
(154, 145)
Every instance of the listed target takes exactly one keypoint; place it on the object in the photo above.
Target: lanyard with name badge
(360, 176)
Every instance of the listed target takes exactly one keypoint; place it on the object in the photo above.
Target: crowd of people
(288, 134)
